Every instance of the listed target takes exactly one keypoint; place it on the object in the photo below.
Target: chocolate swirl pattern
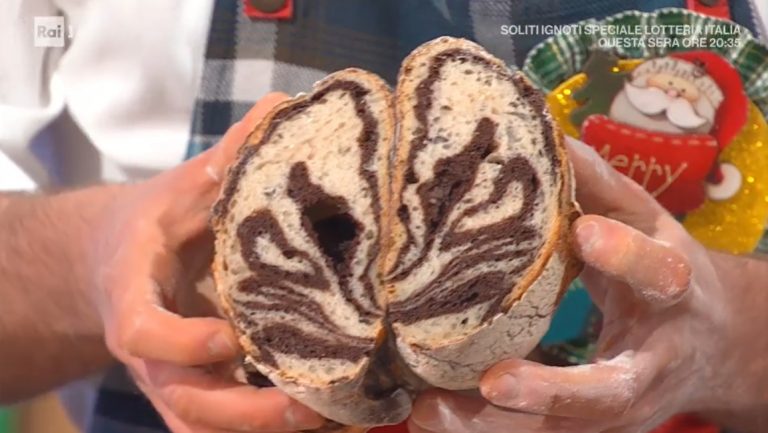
(298, 238)
(368, 246)
(475, 205)
(477, 185)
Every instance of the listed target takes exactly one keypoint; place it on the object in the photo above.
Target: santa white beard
(658, 112)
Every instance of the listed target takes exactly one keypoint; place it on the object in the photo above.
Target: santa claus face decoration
(668, 95)
(663, 123)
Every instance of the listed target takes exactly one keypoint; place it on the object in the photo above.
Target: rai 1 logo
(51, 31)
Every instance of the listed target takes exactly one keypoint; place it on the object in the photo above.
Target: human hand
(684, 329)
(155, 242)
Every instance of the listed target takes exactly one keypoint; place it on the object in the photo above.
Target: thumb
(655, 271)
(225, 152)
(602, 190)
(206, 171)
(188, 191)
(604, 389)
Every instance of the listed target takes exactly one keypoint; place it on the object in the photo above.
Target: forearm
(49, 329)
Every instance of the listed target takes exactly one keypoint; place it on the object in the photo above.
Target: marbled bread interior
(478, 185)
(298, 239)
(365, 246)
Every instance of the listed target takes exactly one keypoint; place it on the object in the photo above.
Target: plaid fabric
(564, 55)
(247, 58)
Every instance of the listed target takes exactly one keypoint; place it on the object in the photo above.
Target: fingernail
(221, 345)
(503, 390)
(587, 235)
(298, 417)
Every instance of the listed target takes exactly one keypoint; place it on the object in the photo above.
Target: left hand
(147, 254)
(676, 336)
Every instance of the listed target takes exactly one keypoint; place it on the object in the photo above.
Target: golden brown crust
(569, 210)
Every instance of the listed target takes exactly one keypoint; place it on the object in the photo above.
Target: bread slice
(483, 202)
(359, 265)
(297, 245)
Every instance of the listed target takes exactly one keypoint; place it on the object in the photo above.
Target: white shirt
(127, 80)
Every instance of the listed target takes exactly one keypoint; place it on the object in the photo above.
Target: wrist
(739, 362)
(91, 211)
(51, 331)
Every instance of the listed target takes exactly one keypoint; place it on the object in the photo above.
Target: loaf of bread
(482, 191)
(369, 245)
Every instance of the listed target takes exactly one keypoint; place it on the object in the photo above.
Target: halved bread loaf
(349, 258)
(297, 245)
(482, 192)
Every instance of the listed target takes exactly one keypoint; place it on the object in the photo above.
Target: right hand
(683, 331)
(143, 253)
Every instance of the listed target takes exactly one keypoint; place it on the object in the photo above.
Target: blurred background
(41, 415)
